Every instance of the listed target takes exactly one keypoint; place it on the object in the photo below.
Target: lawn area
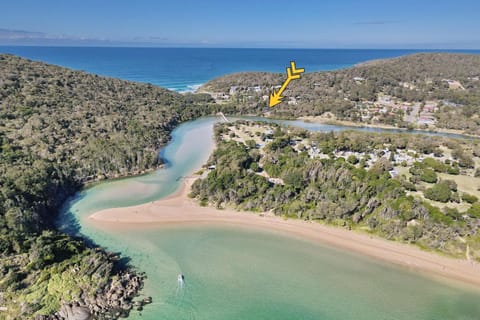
(465, 183)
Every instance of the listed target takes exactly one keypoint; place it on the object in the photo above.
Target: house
(255, 89)
(276, 181)
(233, 90)
(429, 108)
(393, 173)
(451, 104)
(426, 120)
(292, 101)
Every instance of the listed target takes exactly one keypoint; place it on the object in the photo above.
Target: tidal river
(237, 273)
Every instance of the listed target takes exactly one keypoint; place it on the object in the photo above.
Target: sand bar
(179, 208)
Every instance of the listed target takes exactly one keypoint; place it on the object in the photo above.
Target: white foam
(191, 88)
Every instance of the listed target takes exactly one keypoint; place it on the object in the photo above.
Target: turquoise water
(184, 69)
(189, 148)
(236, 273)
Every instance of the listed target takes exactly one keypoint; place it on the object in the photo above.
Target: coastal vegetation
(382, 183)
(431, 90)
(60, 129)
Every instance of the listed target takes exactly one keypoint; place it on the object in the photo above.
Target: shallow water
(236, 273)
(189, 148)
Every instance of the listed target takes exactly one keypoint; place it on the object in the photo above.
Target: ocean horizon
(186, 69)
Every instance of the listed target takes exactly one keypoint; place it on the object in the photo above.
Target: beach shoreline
(178, 209)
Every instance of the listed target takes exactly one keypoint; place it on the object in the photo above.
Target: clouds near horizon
(249, 23)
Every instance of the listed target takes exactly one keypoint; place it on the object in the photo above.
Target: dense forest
(452, 81)
(58, 130)
(331, 177)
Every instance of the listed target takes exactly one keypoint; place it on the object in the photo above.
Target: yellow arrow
(292, 74)
(295, 70)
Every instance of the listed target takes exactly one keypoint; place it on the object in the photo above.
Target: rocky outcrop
(114, 301)
(117, 299)
(74, 312)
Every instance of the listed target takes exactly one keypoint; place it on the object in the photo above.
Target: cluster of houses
(370, 111)
(400, 157)
(426, 115)
(251, 93)
(422, 114)
(415, 113)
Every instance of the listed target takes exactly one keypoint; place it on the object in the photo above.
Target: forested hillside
(432, 90)
(59, 129)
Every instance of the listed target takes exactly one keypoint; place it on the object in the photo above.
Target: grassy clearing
(467, 184)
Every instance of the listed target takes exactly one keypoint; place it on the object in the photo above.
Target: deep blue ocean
(184, 69)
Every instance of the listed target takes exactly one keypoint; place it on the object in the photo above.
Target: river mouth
(237, 273)
(233, 272)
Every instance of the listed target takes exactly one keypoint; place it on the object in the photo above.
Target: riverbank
(330, 121)
(180, 209)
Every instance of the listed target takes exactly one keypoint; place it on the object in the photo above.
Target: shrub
(429, 176)
(469, 198)
(435, 165)
(452, 213)
(466, 161)
(363, 163)
(474, 210)
(437, 215)
(455, 197)
(352, 159)
(409, 186)
(251, 144)
(254, 166)
(414, 179)
(451, 184)
(294, 177)
(453, 170)
(439, 192)
(437, 152)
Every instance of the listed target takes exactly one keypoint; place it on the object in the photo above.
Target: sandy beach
(180, 209)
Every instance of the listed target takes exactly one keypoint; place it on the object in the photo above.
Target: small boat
(180, 277)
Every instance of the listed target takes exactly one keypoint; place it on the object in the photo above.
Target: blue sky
(244, 23)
